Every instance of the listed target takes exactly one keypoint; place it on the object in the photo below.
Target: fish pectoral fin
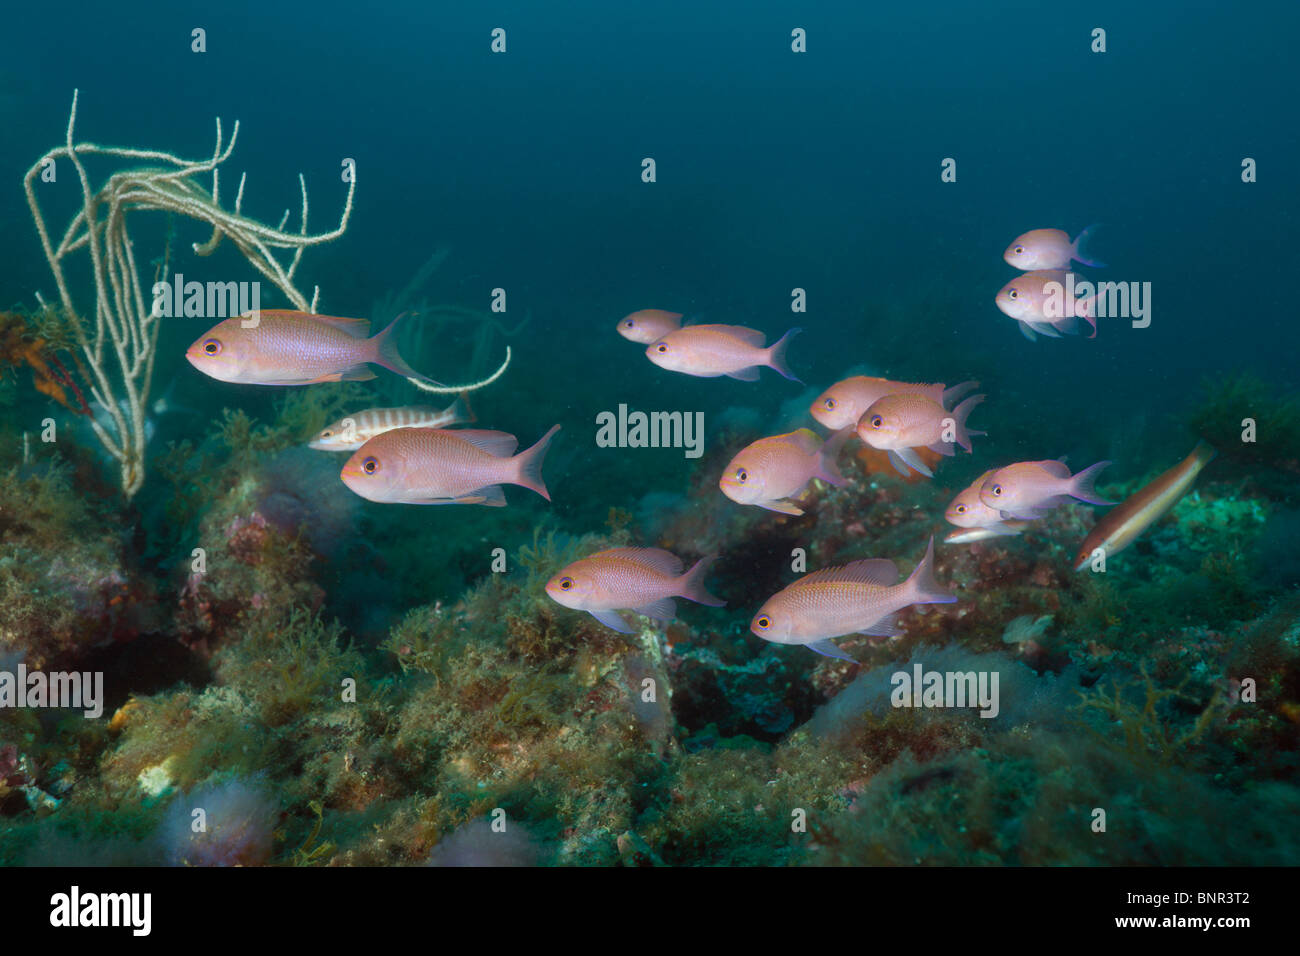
(897, 462)
(665, 609)
(1029, 514)
(613, 620)
(887, 626)
(1044, 328)
(910, 456)
(493, 496)
(1068, 324)
(827, 649)
(1027, 332)
(785, 507)
(745, 374)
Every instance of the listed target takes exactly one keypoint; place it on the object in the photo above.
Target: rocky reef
(265, 671)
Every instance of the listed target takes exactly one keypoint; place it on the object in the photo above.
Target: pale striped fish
(353, 431)
(972, 535)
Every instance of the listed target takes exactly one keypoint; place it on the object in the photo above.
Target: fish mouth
(732, 490)
(821, 418)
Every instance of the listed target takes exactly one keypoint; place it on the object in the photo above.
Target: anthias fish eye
(1019, 249)
(961, 509)
(212, 346)
(997, 491)
(742, 475)
(830, 403)
(763, 622)
(327, 434)
(370, 465)
(566, 584)
(661, 348)
(876, 421)
(1013, 294)
(630, 324)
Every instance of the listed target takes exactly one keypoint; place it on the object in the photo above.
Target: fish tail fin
(1082, 485)
(692, 583)
(1078, 248)
(386, 354)
(959, 416)
(459, 412)
(776, 355)
(921, 585)
(827, 467)
(951, 395)
(1086, 309)
(528, 465)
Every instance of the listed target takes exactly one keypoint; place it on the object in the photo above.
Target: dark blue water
(776, 171)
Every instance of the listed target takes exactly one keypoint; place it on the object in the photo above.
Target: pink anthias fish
(296, 348)
(644, 580)
(431, 466)
(860, 598)
(1038, 302)
(773, 470)
(899, 423)
(352, 431)
(648, 325)
(1049, 249)
(969, 512)
(710, 351)
(1029, 489)
(845, 402)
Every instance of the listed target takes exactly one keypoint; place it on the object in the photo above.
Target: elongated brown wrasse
(1139, 511)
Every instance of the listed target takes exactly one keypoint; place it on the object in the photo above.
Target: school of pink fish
(415, 455)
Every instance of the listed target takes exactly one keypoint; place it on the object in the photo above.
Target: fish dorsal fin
(739, 332)
(665, 562)
(806, 440)
(748, 336)
(357, 328)
(1055, 467)
(496, 444)
(879, 571)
